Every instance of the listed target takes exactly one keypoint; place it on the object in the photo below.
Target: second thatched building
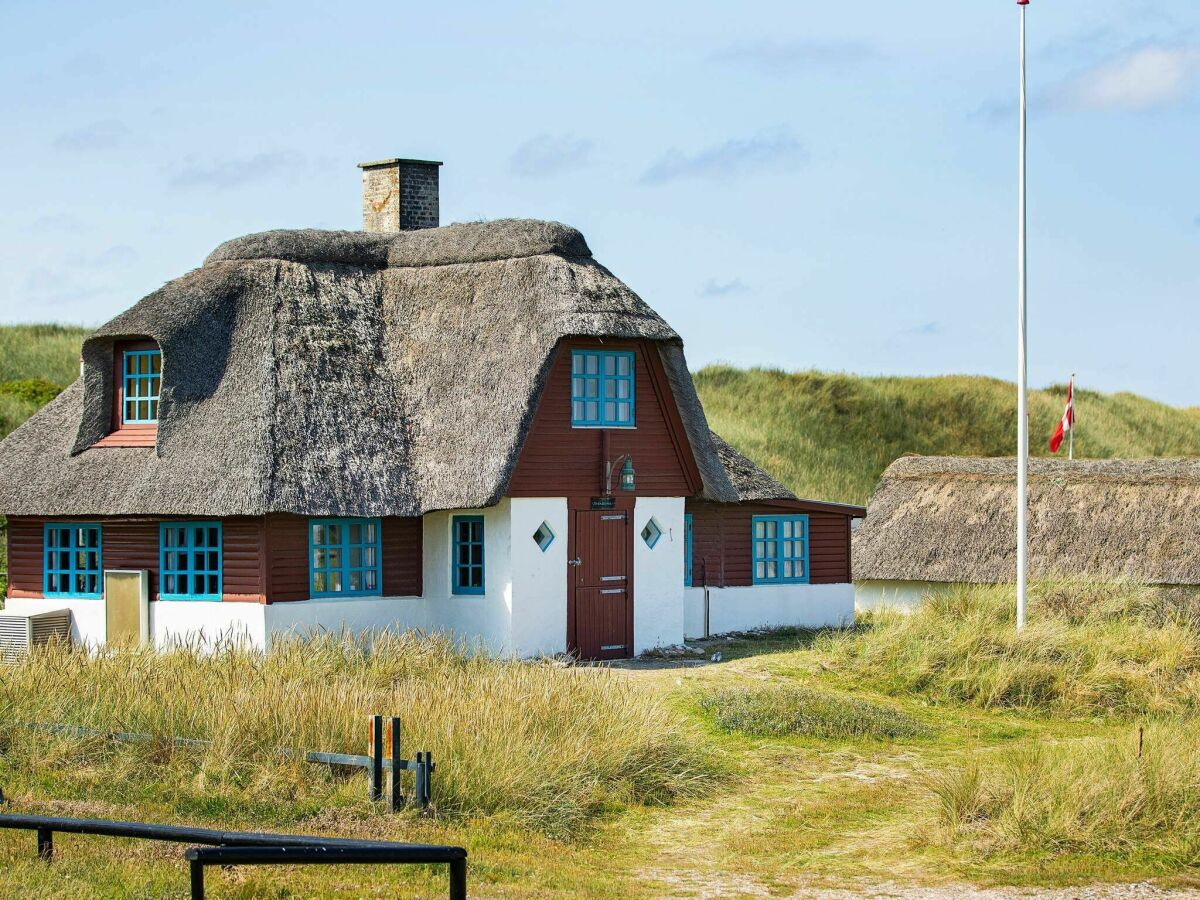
(936, 521)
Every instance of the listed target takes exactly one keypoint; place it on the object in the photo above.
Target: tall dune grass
(1089, 649)
(1091, 796)
(831, 435)
(546, 746)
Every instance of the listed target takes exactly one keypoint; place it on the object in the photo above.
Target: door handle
(575, 562)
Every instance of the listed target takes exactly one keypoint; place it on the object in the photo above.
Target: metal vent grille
(20, 632)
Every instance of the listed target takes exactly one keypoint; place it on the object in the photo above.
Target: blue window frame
(142, 371)
(687, 550)
(780, 549)
(602, 389)
(71, 561)
(189, 560)
(344, 557)
(467, 560)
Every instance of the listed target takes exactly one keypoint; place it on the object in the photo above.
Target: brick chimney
(400, 195)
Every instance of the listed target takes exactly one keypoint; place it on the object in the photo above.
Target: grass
(551, 748)
(777, 711)
(830, 436)
(803, 762)
(1096, 796)
(1089, 650)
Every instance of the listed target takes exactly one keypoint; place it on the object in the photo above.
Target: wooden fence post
(397, 784)
(376, 753)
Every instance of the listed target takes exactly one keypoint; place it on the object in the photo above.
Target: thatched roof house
(948, 519)
(475, 427)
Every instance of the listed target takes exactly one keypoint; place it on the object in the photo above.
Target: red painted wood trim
(120, 434)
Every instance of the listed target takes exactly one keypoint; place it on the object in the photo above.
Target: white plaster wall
(770, 606)
(87, 616)
(902, 595)
(539, 579)
(658, 574)
(207, 623)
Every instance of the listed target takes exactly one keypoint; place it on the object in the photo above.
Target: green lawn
(811, 760)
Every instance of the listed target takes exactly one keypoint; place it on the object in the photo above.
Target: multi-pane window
(780, 549)
(71, 561)
(189, 560)
(140, 386)
(467, 550)
(344, 557)
(602, 389)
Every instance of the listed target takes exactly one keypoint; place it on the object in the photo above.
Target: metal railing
(198, 858)
(255, 848)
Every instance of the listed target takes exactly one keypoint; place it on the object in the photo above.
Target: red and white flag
(1067, 422)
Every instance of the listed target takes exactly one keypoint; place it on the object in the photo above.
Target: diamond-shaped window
(651, 533)
(543, 537)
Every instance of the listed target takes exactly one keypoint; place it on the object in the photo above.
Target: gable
(560, 460)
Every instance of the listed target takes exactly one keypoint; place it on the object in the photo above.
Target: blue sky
(806, 185)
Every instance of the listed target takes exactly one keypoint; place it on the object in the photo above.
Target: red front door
(600, 618)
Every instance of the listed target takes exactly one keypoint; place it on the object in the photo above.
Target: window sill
(130, 436)
(181, 598)
(604, 427)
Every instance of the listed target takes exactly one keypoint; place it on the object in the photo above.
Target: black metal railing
(198, 858)
(256, 848)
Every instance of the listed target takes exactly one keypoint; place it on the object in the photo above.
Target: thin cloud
(786, 58)
(1146, 78)
(548, 154)
(714, 288)
(926, 329)
(770, 151)
(117, 255)
(101, 135)
(64, 223)
(227, 174)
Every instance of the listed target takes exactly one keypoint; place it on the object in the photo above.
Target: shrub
(1088, 650)
(780, 709)
(547, 746)
(1086, 796)
(36, 391)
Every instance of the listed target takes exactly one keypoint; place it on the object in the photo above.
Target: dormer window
(137, 370)
(141, 380)
(602, 389)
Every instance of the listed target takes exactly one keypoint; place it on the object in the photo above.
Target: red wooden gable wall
(561, 461)
(264, 560)
(721, 554)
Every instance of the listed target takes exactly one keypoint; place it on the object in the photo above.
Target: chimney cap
(393, 162)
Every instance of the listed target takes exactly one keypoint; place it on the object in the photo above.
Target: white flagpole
(1071, 439)
(1022, 370)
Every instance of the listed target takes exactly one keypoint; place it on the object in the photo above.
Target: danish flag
(1067, 422)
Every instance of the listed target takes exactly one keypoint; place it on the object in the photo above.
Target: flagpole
(1022, 368)
(1071, 439)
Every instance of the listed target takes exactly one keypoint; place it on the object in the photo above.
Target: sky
(795, 185)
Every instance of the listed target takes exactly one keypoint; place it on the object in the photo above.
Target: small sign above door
(604, 503)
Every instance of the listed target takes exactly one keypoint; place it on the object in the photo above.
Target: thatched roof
(950, 519)
(341, 373)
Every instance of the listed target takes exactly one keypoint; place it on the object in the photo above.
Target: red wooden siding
(287, 557)
(560, 461)
(402, 548)
(133, 544)
(721, 553)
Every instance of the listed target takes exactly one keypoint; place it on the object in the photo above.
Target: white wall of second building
(206, 624)
(901, 595)
(539, 577)
(658, 574)
(770, 606)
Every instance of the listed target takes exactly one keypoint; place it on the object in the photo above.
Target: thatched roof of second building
(953, 519)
